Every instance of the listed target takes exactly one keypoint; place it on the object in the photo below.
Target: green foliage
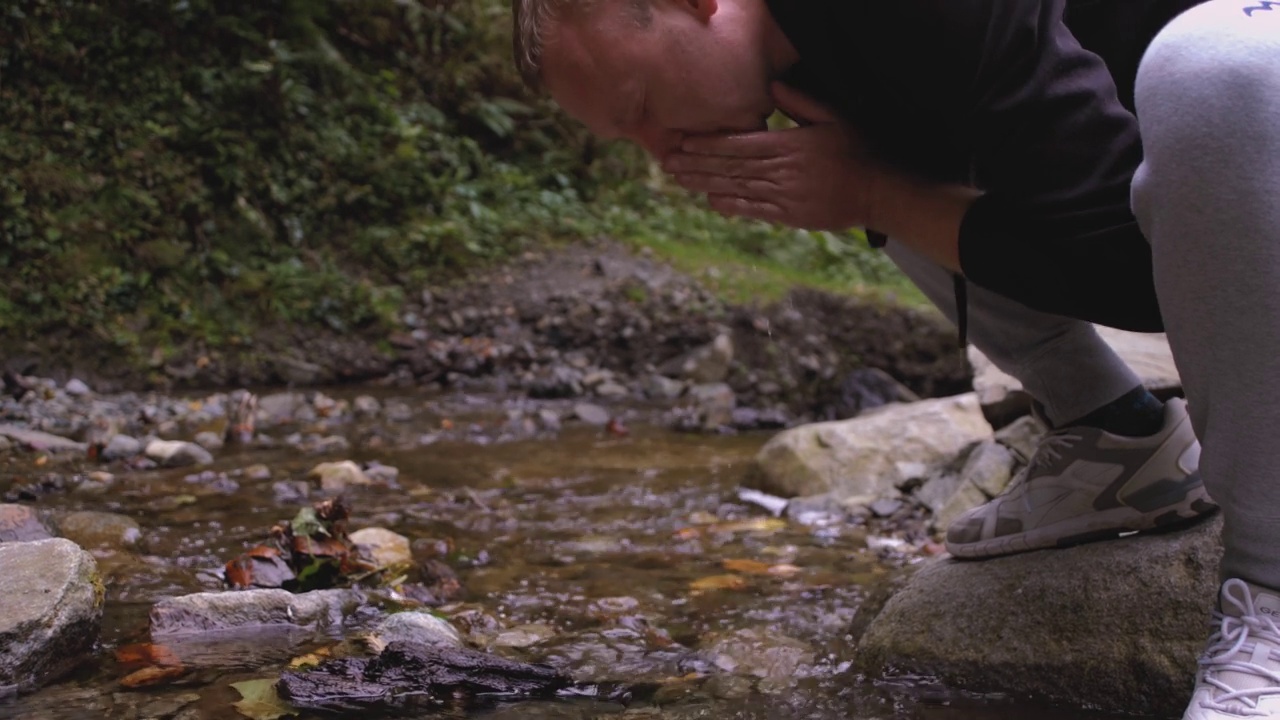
(178, 169)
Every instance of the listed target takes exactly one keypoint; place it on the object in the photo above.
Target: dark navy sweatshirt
(1030, 101)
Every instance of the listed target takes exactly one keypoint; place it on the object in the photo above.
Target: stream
(613, 557)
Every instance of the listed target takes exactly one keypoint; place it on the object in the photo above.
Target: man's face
(698, 68)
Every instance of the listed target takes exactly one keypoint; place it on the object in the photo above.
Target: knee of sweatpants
(1212, 69)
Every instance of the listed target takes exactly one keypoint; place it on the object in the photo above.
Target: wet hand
(815, 177)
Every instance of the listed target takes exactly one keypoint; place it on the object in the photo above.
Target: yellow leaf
(719, 582)
(259, 701)
(747, 567)
(311, 659)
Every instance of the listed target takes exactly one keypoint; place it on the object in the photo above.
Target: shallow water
(608, 540)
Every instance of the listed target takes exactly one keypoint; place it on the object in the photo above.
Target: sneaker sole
(1094, 527)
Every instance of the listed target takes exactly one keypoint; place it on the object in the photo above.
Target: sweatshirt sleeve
(1053, 149)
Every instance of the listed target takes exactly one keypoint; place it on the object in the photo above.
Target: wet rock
(612, 390)
(77, 388)
(257, 473)
(5, 445)
(280, 407)
(713, 405)
(366, 406)
(19, 523)
(591, 414)
(985, 474)
(250, 610)
(661, 387)
(41, 441)
(523, 636)
(411, 678)
(869, 388)
(557, 382)
(1115, 626)
(175, 453)
(416, 627)
(100, 530)
(121, 447)
(1003, 398)
(385, 548)
(549, 420)
(708, 364)
(760, 653)
(397, 411)
(291, 492)
(338, 476)
(381, 474)
(50, 610)
(328, 445)
(865, 456)
(1022, 436)
(885, 507)
(210, 441)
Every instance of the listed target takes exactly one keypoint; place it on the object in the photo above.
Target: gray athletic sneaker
(1085, 484)
(1240, 671)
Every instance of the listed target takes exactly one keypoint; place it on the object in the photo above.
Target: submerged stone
(100, 530)
(19, 523)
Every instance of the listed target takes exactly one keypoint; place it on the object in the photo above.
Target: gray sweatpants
(1208, 199)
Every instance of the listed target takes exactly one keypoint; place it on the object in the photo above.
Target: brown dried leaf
(748, 567)
(153, 675)
(719, 582)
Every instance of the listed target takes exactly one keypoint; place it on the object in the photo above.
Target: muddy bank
(570, 313)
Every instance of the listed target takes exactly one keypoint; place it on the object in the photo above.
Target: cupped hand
(814, 177)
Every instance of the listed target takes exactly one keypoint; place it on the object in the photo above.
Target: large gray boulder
(50, 610)
(1147, 353)
(871, 454)
(1113, 625)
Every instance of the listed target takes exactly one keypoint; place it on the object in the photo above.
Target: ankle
(1137, 413)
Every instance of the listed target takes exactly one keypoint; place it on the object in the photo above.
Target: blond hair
(532, 18)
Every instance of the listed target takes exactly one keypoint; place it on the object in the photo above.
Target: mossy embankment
(204, 181)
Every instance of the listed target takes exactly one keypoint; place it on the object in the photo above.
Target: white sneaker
(1085, 484)
(1240, 671)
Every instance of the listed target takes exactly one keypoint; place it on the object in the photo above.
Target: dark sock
(1137, 413)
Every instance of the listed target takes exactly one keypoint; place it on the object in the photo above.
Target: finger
(681, 163)
(801, 107)
(761, 189)
(743, 145)
(747, 208)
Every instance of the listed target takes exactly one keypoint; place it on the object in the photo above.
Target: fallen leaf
(259, 700)
(719, 582)
(688, 534)
(748, 567)
(42, 460)
(312, 659)
(146, 653)
(446, 424)
(764, 526)
(616, 428)
(152, 675)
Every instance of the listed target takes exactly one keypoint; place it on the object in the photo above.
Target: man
(1005, 147)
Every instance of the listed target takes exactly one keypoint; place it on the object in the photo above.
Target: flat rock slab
(1115, 625)
(50, 610)
(43, 441)
(250, 610)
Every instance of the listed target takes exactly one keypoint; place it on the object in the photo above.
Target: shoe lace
(1052, 448)
(1232, 635)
